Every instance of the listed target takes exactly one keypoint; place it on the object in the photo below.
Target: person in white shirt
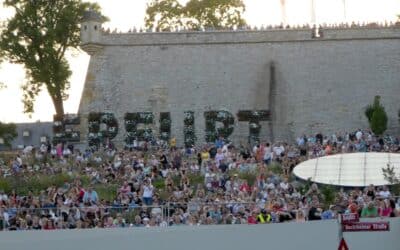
(219, 156)
(66, 152)
(53, 151)
(385, 193)
(359, 135)
(255, 148)
(284, 184)
(19, 160)
(43, 148)
(147, 195)
(267, 154)
(300, 141)
(278, 150)
(3, 196)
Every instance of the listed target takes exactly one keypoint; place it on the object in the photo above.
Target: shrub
(379, 121)
(328, 193)
(5, 186)
(377, 117)
(276, 168)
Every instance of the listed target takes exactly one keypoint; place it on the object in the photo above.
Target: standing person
(172, 143)
(219, 143)
(267, 154)
(59, 149)
(147, 193)
(260, 152)
(164, 160)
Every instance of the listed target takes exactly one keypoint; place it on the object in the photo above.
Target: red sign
(348, 218)
(366, 226)
(343, 245)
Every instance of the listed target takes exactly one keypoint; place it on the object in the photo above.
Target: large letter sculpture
(224, 117)
(165, 126)
(254, 118)
(62, 128)
(132, 121)
(189, 131)
(102, 126)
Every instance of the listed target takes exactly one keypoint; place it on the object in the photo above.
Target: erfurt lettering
(141, 126)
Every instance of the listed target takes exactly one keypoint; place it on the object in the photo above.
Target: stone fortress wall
(307, 83)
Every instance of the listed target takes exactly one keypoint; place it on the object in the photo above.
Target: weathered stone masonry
(306, 84)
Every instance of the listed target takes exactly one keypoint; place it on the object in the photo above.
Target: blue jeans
(148, 201)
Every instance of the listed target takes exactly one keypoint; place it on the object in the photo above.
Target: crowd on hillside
(239, 184)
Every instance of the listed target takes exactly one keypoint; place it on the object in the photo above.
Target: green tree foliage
(379, 121)
(38, 36)
(377, 116)
(328, 193)
(165, 15)
(369, 111)
(8, 132)
(390, 176)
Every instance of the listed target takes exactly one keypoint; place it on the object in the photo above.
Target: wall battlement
(247, 36)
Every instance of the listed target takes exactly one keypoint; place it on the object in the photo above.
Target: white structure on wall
(351, 170)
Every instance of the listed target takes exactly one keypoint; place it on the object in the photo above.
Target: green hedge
(36, 183)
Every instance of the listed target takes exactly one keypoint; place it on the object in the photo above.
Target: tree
(379, 121)
(369, 111)
(377, 117)
(390, 176)
(8, 132)
(165, 15)
(38, 36)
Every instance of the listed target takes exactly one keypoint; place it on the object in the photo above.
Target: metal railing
(121, 216)
(81, 217)
(168, 214)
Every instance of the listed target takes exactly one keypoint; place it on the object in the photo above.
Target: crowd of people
(216, 183)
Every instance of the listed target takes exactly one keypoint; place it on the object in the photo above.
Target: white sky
(125, 14)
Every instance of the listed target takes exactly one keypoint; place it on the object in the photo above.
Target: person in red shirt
(49, 225)
(384, 209)
(244, 187)
(252, 218)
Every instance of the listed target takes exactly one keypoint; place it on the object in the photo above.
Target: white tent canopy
(356, 169)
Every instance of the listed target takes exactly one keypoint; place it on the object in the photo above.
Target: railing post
(168, 214)
(340, 233)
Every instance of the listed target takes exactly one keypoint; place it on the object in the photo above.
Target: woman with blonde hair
(300, 217)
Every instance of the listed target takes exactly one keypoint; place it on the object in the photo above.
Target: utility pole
(344, 11)
(313, 13)
(283, 13)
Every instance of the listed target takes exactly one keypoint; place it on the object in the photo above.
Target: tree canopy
(8, 132)
(166, 15)
(38, 36)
